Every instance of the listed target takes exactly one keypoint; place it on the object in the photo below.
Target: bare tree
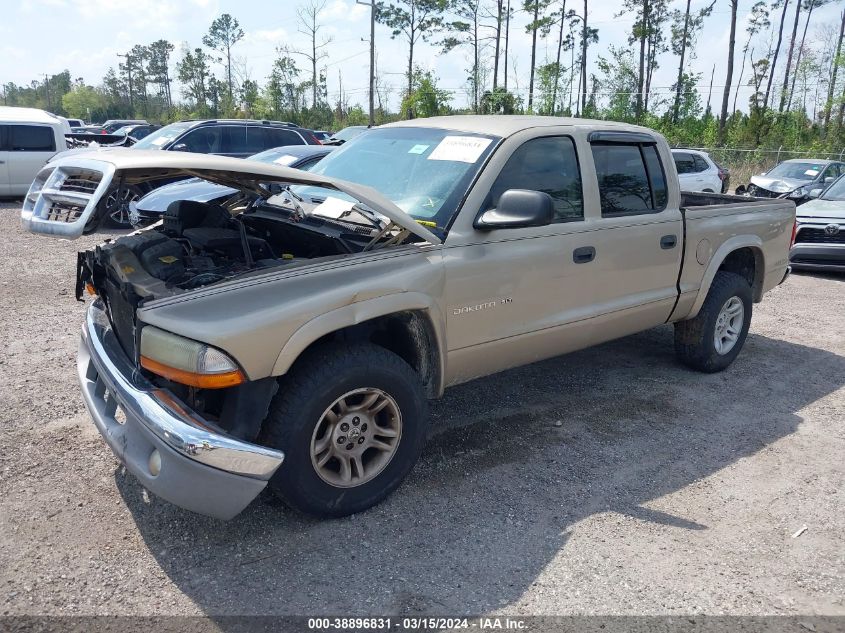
(758, 21)
(789, 57)
(810, 5)
(726, 95)
(777, 50)
(309, 26)
(835, 64)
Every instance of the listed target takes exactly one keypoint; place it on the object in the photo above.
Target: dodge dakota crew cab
(293, 338)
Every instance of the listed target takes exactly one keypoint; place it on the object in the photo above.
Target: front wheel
(712, 340)
(114, 211)
(352, 421)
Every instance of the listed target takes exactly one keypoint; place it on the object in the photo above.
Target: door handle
(583, 255)
(668, 241)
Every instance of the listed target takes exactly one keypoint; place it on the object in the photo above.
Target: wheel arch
(404, 323)
(742, 255)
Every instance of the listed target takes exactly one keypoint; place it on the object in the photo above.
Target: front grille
(759, 192)
(60, 211)
(86, 182)
(818, 236)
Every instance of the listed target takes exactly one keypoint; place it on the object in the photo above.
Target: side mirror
(829, 180)
(518, 208)
(181, 147)
(815, 193)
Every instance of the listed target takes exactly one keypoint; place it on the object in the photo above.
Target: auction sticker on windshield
(464, 149)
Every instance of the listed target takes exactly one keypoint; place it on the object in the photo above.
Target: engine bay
(198, 244)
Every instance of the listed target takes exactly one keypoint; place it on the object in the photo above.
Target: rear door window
(31, 138)
(630, 178)
(685, 163)
(276, 137)
(547, 164)
(256, 139)
(233, 140)
(4, 138)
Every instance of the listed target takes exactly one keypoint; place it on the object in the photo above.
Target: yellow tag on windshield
(432, 225)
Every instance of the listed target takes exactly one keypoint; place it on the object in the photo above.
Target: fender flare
(360, 312)
(729, 246)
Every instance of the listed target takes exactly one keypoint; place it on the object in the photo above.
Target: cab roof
(27, 115)
(507, 125)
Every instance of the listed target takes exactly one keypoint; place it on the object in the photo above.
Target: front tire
(712, 340)
(113, 210)
(352, 421)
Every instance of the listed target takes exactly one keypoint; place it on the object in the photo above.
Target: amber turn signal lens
(203, 381)
(89, 287)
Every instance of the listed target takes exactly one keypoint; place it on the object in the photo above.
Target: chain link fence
(744, 163)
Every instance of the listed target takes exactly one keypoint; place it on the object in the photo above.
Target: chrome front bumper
(201, 470)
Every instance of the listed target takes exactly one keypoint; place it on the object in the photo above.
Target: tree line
(790, 64)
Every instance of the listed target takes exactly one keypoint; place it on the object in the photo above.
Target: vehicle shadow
(514, 462)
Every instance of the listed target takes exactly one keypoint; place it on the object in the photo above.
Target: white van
(28, 139)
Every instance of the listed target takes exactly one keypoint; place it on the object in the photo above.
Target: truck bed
(716, 224)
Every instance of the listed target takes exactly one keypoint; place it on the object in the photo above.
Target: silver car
(794, 179)
(820, 238)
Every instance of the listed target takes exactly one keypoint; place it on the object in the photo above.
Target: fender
(359, 312)
(733, 244)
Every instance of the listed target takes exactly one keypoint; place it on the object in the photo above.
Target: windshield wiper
(367, 214)
(294, 199)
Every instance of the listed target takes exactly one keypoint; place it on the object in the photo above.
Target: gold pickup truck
(292, 334)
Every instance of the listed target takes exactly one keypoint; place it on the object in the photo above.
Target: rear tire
(343, 455)
(712, 340)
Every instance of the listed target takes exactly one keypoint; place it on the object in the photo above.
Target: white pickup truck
(293, 338)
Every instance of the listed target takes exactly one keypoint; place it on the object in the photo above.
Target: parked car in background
(75, 123)
(28, 139)
(237, 138)
(135, 132)
(794, 179)
(153, 205)
(820, 231)
(113, 124)
(295, 345)
(697, 171)
(346, 134)
(322, 135)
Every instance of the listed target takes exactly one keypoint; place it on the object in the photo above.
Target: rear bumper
(201, 470)
(830, 257)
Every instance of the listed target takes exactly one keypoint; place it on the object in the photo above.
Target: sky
(86, 36)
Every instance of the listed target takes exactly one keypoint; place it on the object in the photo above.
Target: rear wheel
(352, 421)
(712, 340)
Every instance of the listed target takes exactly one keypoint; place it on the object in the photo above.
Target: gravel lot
(611, 481)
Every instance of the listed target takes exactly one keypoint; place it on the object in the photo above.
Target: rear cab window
(631, 178)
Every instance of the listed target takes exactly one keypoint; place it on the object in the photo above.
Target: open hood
(65, 193)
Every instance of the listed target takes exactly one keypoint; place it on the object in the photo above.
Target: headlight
(187, 362)
(798, 193)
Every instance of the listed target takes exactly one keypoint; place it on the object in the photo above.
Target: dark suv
(237, 138)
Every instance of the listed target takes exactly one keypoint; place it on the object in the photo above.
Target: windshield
(836, 191)
(797, 171)
(348, 133)
(423, 171)
(162, 137)
(123, 130)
